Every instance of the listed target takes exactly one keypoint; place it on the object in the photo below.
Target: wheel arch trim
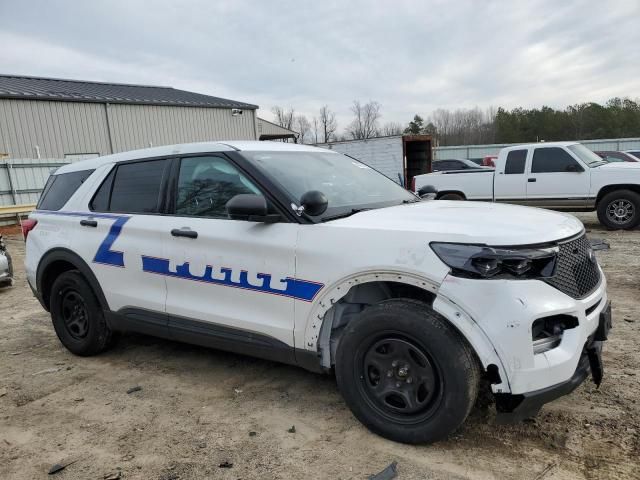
(66, 255)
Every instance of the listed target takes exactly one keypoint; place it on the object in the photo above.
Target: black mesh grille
(577, 272)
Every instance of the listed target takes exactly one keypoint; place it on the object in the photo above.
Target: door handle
(88, 223)
(531, 180)
(177, 232)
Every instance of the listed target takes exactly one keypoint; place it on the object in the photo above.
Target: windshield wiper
(345, 214)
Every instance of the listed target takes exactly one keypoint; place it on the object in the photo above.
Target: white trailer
(399, 157)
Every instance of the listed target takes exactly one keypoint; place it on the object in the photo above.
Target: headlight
(481, 261)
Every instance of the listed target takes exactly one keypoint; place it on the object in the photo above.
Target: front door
(557, 180)
(230, 283)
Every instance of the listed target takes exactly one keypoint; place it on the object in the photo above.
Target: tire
(77, 316)
(619, 209)
(451, 196)
(377, 356)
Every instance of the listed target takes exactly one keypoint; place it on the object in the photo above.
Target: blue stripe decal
(105, 255)
(305, 290)
(296, 288)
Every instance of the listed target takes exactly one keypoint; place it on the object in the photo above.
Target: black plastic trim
(64, 254)
(210, 335)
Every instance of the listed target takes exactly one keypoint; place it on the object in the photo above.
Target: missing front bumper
(514, 408)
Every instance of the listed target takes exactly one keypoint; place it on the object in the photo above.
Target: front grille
(577, 272)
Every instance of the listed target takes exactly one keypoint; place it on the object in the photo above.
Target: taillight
(28, 225)
(413, 184)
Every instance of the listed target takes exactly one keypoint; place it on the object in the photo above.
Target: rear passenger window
(551, 159)
(60, 188)
(131, 188)
(516, 160)
(206, 184)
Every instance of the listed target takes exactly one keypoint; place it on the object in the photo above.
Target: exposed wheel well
(447, 192)
(612, 188)
(357, 299)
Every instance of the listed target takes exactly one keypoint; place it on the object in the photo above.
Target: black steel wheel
(77, 316)
(405, 372)
(619, 210)
(74, 314)
(399, 380)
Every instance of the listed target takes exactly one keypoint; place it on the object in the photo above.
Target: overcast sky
(410, 56)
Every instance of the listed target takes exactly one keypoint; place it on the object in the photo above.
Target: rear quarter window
(60, 188)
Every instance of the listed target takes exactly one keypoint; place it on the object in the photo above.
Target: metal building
(71, 119)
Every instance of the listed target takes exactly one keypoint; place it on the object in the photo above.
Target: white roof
(188, 148)
(540, 144)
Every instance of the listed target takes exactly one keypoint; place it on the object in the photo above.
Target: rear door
(510, 182)
(230, 283)
(557, 179)
(123, 225)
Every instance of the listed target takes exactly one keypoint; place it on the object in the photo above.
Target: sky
(410, 56)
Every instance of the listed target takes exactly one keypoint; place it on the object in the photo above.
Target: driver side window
(552, 159)
(206, 184)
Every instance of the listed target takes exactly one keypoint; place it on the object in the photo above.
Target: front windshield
(586, 155)
(348, 184)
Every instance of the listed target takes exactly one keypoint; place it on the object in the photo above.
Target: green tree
(416, 126)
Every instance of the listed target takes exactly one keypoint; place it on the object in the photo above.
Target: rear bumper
(514, 408)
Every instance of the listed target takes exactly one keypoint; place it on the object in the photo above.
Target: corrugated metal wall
(72, 128)
(21, 181)
(56, 128)
(141, 126)
(479, 151)
(383, 153)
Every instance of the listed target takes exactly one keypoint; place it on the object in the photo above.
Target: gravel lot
(198, 408)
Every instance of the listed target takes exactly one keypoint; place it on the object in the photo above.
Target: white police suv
(309, 257)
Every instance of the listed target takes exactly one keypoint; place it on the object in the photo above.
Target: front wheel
(619, 210)
(406, 373)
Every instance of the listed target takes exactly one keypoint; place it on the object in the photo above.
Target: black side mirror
(427, 191)
(314, 202)
(248, 206)
(572, 167)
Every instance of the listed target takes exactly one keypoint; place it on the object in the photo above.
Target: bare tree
(316, 128)
(365, 122)
(283, 117)
(328, 123)
(302, 126)
(392, 128)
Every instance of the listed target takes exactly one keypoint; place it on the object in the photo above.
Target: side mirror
(427, 191)
(314, 202)
(248, 206)
(574, 168)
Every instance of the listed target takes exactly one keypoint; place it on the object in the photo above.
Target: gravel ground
(199, 408)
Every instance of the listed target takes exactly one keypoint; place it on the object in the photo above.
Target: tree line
(617, 118)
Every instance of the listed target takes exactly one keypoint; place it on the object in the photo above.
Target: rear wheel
(619, 210)
(451, 196)
(77, 317)
(406, 374)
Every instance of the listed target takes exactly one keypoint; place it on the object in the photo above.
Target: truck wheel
(405, 373)
(451, 196)
(77, 317)
(619, 209)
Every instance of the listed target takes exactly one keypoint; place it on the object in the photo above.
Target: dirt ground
(198, 408)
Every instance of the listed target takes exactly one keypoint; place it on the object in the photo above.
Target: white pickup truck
(560, 176)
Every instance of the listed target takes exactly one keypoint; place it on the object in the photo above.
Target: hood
(619, 165)
(469, 222)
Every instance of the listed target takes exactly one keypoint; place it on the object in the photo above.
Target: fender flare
(462, 322)
(340, 288)
(66, 255)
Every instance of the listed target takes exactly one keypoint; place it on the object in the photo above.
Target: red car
(489, 161)
(611, 156)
